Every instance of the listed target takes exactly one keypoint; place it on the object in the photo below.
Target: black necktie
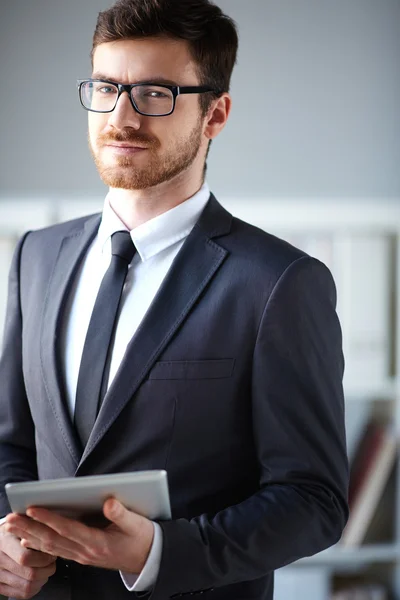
(94, 367)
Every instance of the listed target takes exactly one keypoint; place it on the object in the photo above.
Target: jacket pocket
(193, 369)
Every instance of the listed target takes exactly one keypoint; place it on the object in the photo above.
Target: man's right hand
(23, 572)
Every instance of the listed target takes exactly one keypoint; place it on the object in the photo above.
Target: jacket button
(65, 569)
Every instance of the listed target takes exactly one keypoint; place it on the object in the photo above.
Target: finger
(33, 541)
(15, 569)
(24, 572)
(10, 592)
(11, 547)
(60, 553)
(55, 549)
(18, 586)
(126, 520)
(51, 543)
(41, 573)
(41, 538)
(86, 545)
(67, 528)
(17, 519)
(20, 523)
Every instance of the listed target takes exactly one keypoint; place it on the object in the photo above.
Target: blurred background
(311, 153)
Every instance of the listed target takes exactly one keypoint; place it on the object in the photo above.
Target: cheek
(96, 125)
(173, 130)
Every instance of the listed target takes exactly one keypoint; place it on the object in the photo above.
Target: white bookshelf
(367, 231)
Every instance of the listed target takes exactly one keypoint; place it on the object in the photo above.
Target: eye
(105, 89)
(155, 94)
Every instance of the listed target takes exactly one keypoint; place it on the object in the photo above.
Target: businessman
(165, 333)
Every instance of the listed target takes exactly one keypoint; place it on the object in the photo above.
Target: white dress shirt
(157, 242)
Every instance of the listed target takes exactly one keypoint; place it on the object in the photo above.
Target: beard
(124, 174)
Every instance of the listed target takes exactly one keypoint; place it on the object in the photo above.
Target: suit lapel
(72, 250)
(194, 267)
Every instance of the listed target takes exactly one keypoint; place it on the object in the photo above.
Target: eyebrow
(159, 80)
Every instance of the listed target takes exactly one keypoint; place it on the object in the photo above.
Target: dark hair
(212, 35)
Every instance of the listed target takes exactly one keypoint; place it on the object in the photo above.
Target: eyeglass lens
(149, 99)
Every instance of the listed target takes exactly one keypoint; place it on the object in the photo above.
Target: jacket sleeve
(298, 422)
(17, 438)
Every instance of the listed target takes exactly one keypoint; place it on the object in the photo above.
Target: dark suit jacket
(232, 384)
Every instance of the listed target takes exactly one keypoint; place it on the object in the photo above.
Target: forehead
(128, 61)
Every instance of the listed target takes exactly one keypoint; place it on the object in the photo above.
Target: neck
(135, 207)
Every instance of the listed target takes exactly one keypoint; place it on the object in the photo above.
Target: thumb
(119, 515)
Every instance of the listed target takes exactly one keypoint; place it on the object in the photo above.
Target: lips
(131, 146)
(123, 149)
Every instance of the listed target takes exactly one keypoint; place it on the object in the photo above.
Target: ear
(217, 116)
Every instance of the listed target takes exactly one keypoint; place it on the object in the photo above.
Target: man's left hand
(122, 546)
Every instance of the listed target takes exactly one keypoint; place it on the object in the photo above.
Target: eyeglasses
(148, 99)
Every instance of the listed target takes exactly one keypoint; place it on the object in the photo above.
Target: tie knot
(122, 245)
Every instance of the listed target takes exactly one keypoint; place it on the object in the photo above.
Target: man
(223, 364)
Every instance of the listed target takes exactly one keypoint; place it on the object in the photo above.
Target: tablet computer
(82, 498)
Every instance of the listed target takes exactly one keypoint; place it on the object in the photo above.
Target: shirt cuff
(147, 578)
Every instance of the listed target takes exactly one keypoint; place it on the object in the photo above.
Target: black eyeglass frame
(175, 89)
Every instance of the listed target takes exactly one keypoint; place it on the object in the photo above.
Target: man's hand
(23, 572)
(122, 546)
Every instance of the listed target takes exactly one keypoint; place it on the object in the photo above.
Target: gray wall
(316, 100)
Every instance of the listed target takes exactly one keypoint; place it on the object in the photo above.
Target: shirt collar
(159, 233)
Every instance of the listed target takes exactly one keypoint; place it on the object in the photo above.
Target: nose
(124, 115)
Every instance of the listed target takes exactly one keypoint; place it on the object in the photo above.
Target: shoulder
(257, 249)
(64, 228)
(41, 238)
(38, 249)
(268, 266)
(259, 261)
(248, 246)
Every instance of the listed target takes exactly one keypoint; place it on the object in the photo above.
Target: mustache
(130, 137)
